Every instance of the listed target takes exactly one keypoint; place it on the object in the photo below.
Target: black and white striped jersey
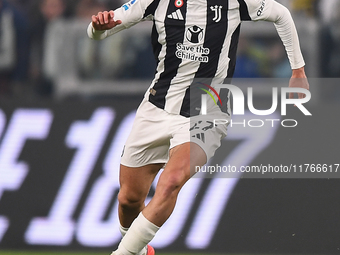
(195, 39)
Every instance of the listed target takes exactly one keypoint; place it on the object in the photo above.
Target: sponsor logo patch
(179, 3)
(260, 11)
(128, 5)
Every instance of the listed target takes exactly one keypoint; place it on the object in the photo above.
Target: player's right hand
(104, 21)
(299, 80)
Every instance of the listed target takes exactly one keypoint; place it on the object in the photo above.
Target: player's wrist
(97, 30)
(299, 73)
(95, 34)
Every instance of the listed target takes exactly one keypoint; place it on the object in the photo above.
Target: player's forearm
(128, 15)
(286, 29)
(102, 34)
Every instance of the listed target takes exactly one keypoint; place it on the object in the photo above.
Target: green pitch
(50, 253)
(77, 253)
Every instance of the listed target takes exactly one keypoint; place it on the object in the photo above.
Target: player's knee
(129, 200)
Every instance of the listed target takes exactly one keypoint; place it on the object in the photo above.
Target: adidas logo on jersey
(176, 15)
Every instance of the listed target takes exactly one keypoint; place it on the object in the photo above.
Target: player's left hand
(298, 80)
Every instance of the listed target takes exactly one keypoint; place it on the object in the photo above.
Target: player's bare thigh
(136, 181)
(188, 153)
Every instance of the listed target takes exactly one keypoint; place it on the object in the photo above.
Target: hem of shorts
(199, 144)
(166, 161)
(144, 164)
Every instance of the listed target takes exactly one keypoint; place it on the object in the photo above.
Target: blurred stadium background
(67, 104)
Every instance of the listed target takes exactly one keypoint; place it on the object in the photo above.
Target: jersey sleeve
(135, 11)
(130, 14)
(270, 10)
(255, 9)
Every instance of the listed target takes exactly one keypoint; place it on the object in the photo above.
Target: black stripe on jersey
(215, 35)
(154, 35)
(244, 13)
(224, 93)
(186, 108)
(156, 46)
(174, 30)
(151, 8)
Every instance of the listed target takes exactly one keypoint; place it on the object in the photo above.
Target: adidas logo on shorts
(200, 136)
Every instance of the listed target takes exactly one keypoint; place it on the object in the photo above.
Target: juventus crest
(218, 12)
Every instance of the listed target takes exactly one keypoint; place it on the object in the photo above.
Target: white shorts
(156, 131)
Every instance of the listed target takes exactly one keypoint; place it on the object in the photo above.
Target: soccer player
(191, 39)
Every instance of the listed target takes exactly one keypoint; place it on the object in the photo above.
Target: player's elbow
(281, 13)
(285, 12)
